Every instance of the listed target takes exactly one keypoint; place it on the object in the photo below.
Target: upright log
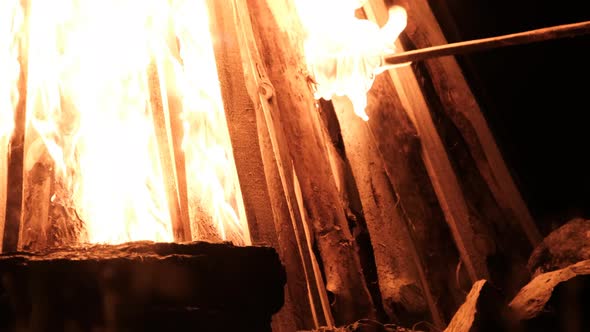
(14, 169)
(179, 218)
(280, 43)
(405, 296)
(389, 145)
(272, 217)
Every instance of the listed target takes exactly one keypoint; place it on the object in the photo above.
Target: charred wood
(141, 286)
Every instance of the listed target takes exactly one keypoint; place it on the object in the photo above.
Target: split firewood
(564, 246)
(554, 301)
(482, 311)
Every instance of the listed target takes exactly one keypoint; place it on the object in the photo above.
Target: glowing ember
(345, 53)
(89, 113)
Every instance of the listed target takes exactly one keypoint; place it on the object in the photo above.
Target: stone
(564, 246)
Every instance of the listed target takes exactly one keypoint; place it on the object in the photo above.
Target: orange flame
(345, 53)
(88, 108)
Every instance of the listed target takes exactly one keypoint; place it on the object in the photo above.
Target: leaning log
(476, 152)
(269, 219)
(280, 41)
(141, 286)
(404, 291)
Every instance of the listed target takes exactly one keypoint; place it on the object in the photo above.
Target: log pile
(141, 286)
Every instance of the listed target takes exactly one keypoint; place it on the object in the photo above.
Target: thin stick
(180, 225)
(478, 45)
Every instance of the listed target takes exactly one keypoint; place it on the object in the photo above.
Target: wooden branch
(267, 199)
(479, 45)
(405, 291)
(180, 225)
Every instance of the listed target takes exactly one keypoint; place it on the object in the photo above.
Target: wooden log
(175, 109)
(403, 293)
(429, 249)
(554, 301)
(178, 218)
(509, 232)
(461, 107)
(14, 193)
(466, 231)
(351, 201)
(280, 41)
(482, 311)
(484, 44)
(141, 286)
(267, 199)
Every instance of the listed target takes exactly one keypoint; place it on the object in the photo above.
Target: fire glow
(89, 115)
(345, 53)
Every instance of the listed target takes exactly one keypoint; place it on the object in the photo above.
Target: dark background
(535, 98)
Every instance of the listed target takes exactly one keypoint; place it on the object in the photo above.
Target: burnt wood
(141, 286)
(280, 43)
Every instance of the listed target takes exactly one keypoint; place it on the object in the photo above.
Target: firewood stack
(556, 299)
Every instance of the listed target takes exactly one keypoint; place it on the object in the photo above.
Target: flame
(11, 19)
(345, 53)
(89, 110)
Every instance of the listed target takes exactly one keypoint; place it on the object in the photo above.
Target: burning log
(268, 193)
(318, 197)
(141, 286)
(486, 241)
(15, 161)
(554, 301)
(178, 217)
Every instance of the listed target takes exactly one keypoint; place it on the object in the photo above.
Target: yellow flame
(88, 107)
(216, 209)
(345, 53)
(11, 19)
